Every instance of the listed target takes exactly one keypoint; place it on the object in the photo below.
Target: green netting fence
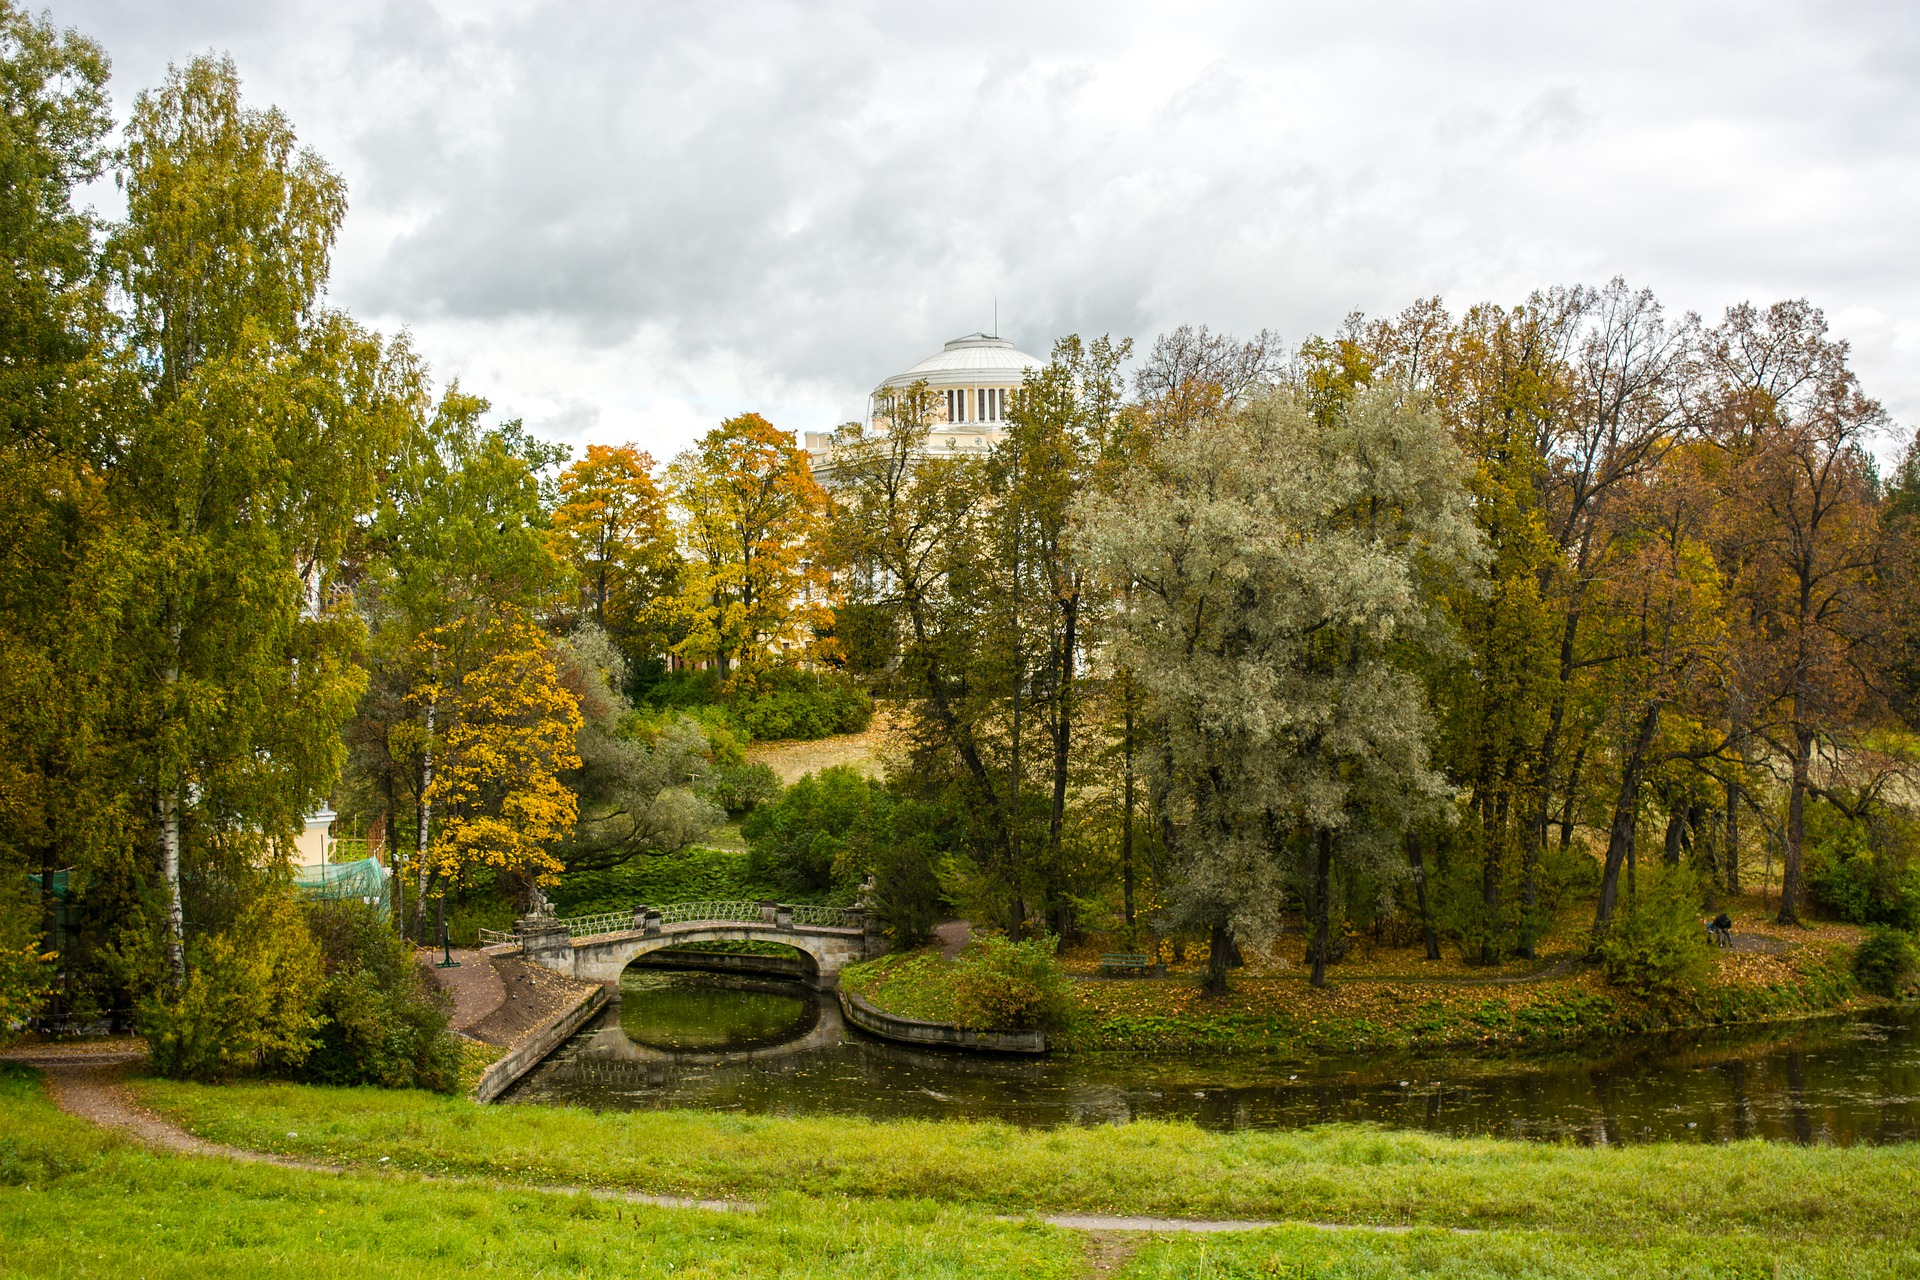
(365, 879)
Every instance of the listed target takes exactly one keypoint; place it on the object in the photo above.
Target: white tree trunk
(420, 840)
(169, 814)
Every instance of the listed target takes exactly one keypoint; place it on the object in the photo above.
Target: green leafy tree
(826, 831)
(265, 424)
(1276, 563)
(65, 563)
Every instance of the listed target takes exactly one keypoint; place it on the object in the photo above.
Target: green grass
(75, 1202)
(916, 984)
(873, 1203)
(1296, 1253)
(1347, 1174)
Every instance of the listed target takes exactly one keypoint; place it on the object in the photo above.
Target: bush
(794, 704)
(26, 972)
(1001, 985)
(1656, 945)
(1860, 872)
(823, 832)
(1885, 962)
(740, 788)
(692, 875)
(907, 899)
(244, 1004)
(385, 1023)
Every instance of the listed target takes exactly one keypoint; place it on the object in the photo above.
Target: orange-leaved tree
(752, 514)
(509, 728)
(611, 529)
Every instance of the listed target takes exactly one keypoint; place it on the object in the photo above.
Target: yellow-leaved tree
(752, 514)
(506, 729)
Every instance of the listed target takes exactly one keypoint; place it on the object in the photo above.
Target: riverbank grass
(1333, 1174)
(873, 1202)
(75, 1201)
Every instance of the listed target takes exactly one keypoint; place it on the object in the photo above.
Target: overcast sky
(624, 221)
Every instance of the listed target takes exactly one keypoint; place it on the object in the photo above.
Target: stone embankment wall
(891, 1026)
(531, 1049)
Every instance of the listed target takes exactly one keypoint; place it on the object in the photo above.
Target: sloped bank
(561, 1005)
(892, 1026)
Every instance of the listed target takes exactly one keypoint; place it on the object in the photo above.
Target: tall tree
(64, 564)
(916, 536)
(1275, 558)
(512, 730)
(611, 529)
(460, 537)
(1060, 427)
(266, 422)
(1800, 536)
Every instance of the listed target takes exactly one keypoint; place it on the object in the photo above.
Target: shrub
(692, 875)
(907, 899)
(1863, 872)
(1885, 962)
(26, 972)
(1002, 985)
(740, 788)
(798, 704)
(1656, 945)
(244, 1004)
(385, 1023)
(823, 831)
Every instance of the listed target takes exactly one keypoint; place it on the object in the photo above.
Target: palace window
(993, 404)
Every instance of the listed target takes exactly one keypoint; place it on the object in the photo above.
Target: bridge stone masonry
(597, 948)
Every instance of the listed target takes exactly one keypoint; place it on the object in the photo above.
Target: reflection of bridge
(598, 947)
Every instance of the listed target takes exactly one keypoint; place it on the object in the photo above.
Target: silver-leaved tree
(1276, 557)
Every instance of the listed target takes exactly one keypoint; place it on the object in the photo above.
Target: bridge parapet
(599, 946)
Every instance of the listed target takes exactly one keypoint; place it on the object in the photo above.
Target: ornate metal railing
(687, 912)
(605, 922)
(828, 917)
(717, 912)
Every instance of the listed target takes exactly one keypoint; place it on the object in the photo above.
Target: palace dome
(975, 360)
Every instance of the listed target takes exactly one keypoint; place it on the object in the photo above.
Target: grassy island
(1394, 999)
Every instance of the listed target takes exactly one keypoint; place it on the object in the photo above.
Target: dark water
(724, 1043)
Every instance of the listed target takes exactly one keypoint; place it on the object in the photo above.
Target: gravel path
(954, 936)
(476, 989)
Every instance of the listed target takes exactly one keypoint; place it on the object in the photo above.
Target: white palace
(972, 377)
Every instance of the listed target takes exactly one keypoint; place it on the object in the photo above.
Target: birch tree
(264, 423)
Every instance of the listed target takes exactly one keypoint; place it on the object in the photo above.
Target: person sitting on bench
(1720, 930)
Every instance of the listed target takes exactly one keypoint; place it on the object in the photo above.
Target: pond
(733, 1043)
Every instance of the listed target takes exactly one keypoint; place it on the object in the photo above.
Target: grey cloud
(812, 195)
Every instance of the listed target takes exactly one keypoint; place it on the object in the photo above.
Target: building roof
(978, 358)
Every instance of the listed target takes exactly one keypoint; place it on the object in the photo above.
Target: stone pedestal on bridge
(545, 940)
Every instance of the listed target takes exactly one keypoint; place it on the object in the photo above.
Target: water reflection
(733, 1044)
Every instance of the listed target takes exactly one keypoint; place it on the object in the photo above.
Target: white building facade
(972, 380)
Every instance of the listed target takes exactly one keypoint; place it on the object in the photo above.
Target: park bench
(1121, 965)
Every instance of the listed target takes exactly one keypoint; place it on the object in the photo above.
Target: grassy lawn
(1344, 1174)
(76, 1202)
(903, 1200)
(1297, 1253)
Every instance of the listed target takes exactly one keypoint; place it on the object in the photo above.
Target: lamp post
(446, 948)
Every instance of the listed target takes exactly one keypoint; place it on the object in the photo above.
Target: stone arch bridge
(598, 947)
